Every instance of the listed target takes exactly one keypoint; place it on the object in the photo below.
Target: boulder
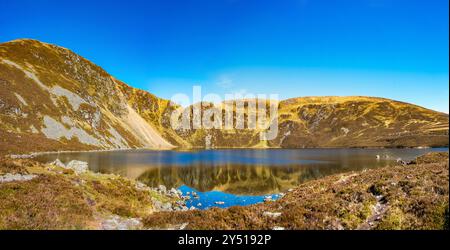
(78, 166)
(16, 177)
(58, 163)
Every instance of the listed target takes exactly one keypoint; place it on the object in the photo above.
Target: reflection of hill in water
(236, 179)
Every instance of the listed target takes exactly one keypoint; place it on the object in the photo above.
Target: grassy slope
(412, 197)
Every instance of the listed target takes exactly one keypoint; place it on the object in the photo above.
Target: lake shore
(33, 154)
(398, 197)
(414, 196)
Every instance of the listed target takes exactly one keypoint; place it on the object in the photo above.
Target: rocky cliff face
(53, 99)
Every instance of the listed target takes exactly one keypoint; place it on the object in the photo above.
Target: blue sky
(395, 49)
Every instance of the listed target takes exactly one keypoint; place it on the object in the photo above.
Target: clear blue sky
(396, 49)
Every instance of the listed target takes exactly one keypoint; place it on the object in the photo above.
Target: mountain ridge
(54, 99)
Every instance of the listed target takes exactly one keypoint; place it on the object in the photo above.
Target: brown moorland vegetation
(58, 198)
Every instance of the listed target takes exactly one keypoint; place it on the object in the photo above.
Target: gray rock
(58, 163)
(162, 188)
(272, 215)
(180, 203)
(157, 205)
(268, 198)
(141, 186)
(78, 166)
(115, 222)
(166, 206)
(16, 177)
(21, 156)
(173, 191)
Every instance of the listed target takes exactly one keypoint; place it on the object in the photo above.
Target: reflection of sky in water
(205, 200)
(237, 176)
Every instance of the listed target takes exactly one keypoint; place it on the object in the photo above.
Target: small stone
(16, 177)
(278, 228)
(267, 198)
(141, 186)
(21, 156)
(162, 188)
(115, 222)
(158, 205)
(166, 206)
(272, 215)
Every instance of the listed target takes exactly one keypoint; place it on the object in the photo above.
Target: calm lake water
(235, 176)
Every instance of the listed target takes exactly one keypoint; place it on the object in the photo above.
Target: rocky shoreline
(413, 196)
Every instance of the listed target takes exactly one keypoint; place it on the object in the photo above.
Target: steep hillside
(53, 99)
(154, 110)
(353, 121)
(359, 122)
